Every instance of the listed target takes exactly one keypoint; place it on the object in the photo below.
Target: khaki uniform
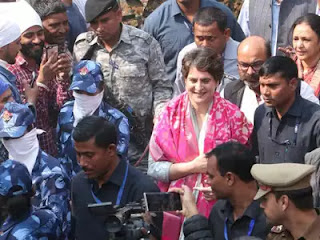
(134, 72)
(279, 233)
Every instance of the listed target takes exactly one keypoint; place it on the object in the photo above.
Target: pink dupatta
(174, 139)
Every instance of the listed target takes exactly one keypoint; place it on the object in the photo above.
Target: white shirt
(3, 63)
(249, 101)
(230, 63)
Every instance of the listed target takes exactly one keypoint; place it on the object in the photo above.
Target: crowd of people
(223, 111)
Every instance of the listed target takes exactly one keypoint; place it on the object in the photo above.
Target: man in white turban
(36, 69)
(9, 48)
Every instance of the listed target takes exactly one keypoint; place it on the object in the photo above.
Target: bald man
(245, 93)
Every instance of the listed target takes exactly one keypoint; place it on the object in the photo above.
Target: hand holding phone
(162, 201)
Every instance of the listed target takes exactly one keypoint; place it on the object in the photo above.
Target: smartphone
(52, 49)
(162, 201)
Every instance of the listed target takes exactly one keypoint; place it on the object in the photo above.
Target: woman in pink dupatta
(194, 123)
(306, 45)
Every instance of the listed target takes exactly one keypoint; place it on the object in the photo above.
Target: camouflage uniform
(134, 72)
(52, 189)
(65, 125)
(39, 224)
(15, 180)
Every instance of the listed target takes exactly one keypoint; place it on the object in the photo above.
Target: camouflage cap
(14, 179)
(94, 8)
(87, 76)
(281, 177)
(15, 119)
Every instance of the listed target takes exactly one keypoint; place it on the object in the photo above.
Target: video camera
(124, 222)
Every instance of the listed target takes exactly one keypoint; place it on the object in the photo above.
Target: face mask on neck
(85, 105)
(24, 149)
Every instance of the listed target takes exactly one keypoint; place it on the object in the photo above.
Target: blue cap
(15, 119)
(14, 179)
(87, 76)
(3, 86)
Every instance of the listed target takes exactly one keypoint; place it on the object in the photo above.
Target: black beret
(94, 8)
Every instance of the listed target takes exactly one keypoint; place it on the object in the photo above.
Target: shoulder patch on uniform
(136, 32)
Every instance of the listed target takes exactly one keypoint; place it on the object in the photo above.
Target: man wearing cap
(286, 197)
(9, 48)
(50, 181)
(88, 89)
(22, 220)
(235, 214)
(36, 70)
(132, 64)
(286, 126)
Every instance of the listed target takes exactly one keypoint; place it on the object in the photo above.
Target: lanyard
(251, 226)
(120, 190)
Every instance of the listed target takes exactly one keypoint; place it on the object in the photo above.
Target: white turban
(22, 13)
(26, 16)
(9, 30)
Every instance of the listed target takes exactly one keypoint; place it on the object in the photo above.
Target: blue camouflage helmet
(14, 179)
(87, 76)
(15, 119)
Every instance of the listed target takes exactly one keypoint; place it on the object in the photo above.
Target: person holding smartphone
(41, 64)
(236, 213)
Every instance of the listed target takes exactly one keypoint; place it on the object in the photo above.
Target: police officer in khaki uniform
(133, 68)
(286, 197)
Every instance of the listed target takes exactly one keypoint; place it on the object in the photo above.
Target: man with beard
(42, 70)
(9, 48)
(245, 93)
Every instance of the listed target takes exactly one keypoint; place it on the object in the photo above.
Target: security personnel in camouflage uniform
(132, 65)
(286, 197)
(15, 193)
(87, 86)
(50, 181)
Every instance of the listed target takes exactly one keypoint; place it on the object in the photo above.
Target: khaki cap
(281, 177)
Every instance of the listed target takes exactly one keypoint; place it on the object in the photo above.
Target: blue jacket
(67, 153)
(52, 187)
(37, 224)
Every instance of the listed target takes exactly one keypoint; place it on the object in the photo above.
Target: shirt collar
(21, 61)
(251, 211)
(231, 49)
(295, 109)
(124, 36)
(118, 174)
(3, 63)
(175, 9)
